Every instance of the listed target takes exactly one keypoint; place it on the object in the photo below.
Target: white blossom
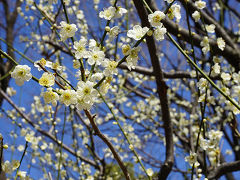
(43, 62)
(169, 1)
(10, 91)
(110, 67)
(192, 159)
(132, 58)
(113, 32)
(155, 18)
(108, 13)
(86, 95)
(225, 76)
(174, 11)
(80, 48)
(21, 73)
(200, 4)
(216, 69)
(138, 32)
(221, 43)
(50, 97)
(196, 16)
(67, 30)
(126, 48)
(202, 84)
(119, 12)
(205, 44)
(210, 28)
(68, 97)
(95, 56)
(159, 33)
(47, 79)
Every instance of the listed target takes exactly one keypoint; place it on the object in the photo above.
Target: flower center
(67, 96)
(80, 48)
(112, 65)
(86, 91)
(21, 73)
(95, 56)
(68, 28)
(156, 19)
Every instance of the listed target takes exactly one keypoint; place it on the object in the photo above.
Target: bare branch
(108, 143)
(223, 169)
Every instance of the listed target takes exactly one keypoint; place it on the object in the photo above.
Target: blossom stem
(99, 82)
(61, 145)
(8, 57)
(1, 153)
(24, 152)
(21, 54)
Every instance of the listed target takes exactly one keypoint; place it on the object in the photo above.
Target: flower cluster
(211, 146)
(155, 21)
(205, 44)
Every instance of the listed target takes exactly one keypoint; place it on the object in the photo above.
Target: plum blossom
(225, 76)
(221, 43)
(155, 18)
(192, 159)
(119, 12)
(47, 79)
(67, 30)
(132, 58)
(21, 73)
(159, 32)
(174, 11)
(50, 97)
(110, 67)
(196, 16)
(95, 56)
(205, 44)
(108, 13)
(113, 32)
(126, 48)
(138, 32)
(68, 97)
(43, 62)
(200, 4)
(210, 28)
(80, 48)
(86, 95)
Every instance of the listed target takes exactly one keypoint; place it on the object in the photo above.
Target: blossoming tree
(120, 89)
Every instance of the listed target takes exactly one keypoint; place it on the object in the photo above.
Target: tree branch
(162, 92)
(108, 143)
(223, 169)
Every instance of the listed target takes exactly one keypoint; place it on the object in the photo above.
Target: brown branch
(131, 88)
(223, 169)
(58, 47)
(162, 93)
(167, 75)
(149, 72)
(108, 143)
